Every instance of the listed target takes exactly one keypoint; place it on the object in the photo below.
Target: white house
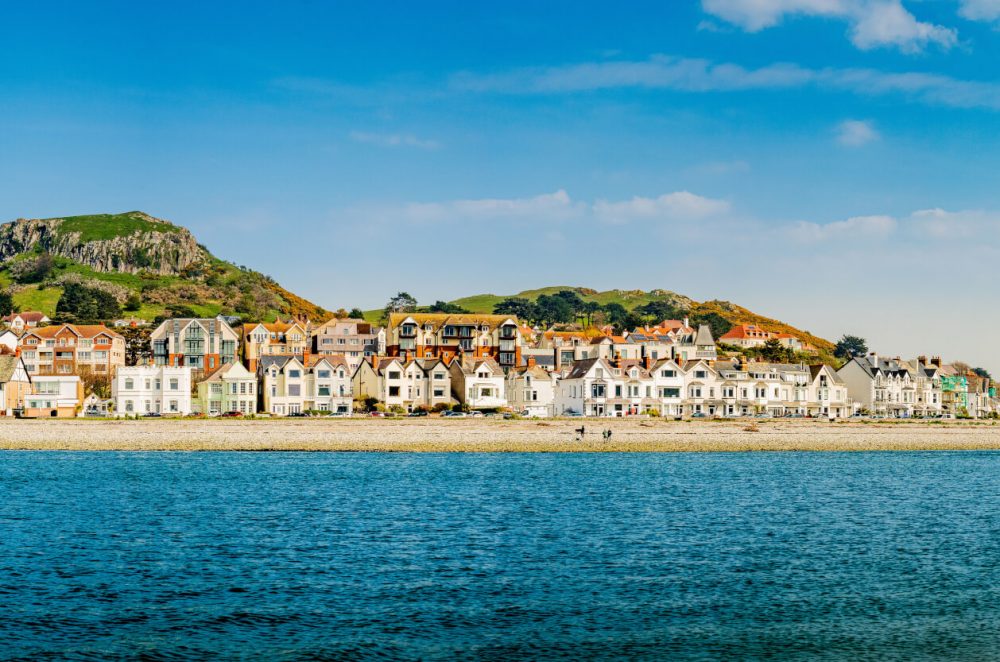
(478, 383)
(54, 396)
(828, 396)
(883, 387)
(8, 341)
(152, 389)
(396, 382)
(667, 378)
(328, 385)
(531, 390)
(588, 389)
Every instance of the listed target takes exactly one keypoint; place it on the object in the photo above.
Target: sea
(341, 556)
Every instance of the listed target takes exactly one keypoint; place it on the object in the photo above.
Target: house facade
(149, 389)
(404, 384)
(71, 349)
(328, 385)
(54, 396)
(283, 385)
(446, 336)
(353, 339)
(203, 344)
(15, 384)
(21, 322)
(531, 390)
(231, 388)
(291, 338)
(478, 383)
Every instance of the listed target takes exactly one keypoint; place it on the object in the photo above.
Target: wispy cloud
(873, 23)
(853, 228)
(393, 140)
(856, 133)
(698, 75)
(980, 10)
(680, 206)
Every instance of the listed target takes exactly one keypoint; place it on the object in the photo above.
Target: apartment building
(149, 389)
(291, 338)
(202, 344)
(446, 336)
(354, 339)
(70, 349)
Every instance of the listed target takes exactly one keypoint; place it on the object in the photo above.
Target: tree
(6, 303)
(982, 372)
(445, 307)
(32, 270)
(84, 304)
(554, 309)
(401, 303)
(657, 311)
(849, 347)
(134, 302)
(590, 308)
(94, 383)
(356, 313)
(774, 352)
(517, 307)
(716, 322)
(138, 350)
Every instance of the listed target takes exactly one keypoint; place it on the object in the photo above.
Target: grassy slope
(96, 227)
(107, 226)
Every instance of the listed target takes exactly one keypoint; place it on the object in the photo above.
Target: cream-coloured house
(15, 384)
(291, 338)
(405, 384)
(531, 390)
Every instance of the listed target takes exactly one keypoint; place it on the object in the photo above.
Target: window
(294, 390)
(129, 385)
(439, 393)
(173, 405)
(174, 384)
(700, 374)
(668, 373)
(393, 391)
(129, 406)
(439, 376)
(323, 374)
(323, 390)
(294, 374)
(597, 391)
(394, 374)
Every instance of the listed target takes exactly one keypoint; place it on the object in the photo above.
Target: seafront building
(15, 384)
(436, 361)
(152, 390)
(54, 396)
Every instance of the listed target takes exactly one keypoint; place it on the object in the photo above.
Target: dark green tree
(356, 313)
(401, 303)
(554, 309)
(774, 352)
(849, 347)
(517, 307)
(445, 307)
(982, 372)
(6, 303)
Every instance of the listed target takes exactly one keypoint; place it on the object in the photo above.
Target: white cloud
(940, 224)
(393, 140)
(858, 227)
(856, 133)
(873, 23)
(547, 207)
(980, 10)
(680, 206)
(697, 75)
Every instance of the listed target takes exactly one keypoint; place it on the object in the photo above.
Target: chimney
(647, 362)
(374, 362)
(936, 361)
(922, 360)
(617, 362)
(873, 359)
(408, 356)
(686, 322)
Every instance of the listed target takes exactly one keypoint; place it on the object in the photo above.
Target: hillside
(632, 299)
(150, 266)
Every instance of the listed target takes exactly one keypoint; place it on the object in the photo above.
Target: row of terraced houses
(431, 361)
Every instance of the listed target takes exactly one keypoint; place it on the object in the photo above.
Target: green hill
(150, 266)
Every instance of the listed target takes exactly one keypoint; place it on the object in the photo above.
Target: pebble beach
(479, 435)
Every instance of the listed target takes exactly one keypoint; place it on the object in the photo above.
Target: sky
(831, 163)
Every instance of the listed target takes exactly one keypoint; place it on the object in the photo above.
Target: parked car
(699, 414)
(455, 414)
(231, 414)
(417, 413)
(151, 414)
(376, 414)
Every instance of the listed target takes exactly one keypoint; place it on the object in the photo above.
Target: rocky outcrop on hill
(141, 243)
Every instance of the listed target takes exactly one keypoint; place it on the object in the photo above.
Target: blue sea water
(507, 557)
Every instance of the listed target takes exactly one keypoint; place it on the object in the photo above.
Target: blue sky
(833, 163)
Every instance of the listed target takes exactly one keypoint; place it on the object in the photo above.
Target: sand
(480, 435)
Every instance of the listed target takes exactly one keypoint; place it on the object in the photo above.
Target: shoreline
(477, 436)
